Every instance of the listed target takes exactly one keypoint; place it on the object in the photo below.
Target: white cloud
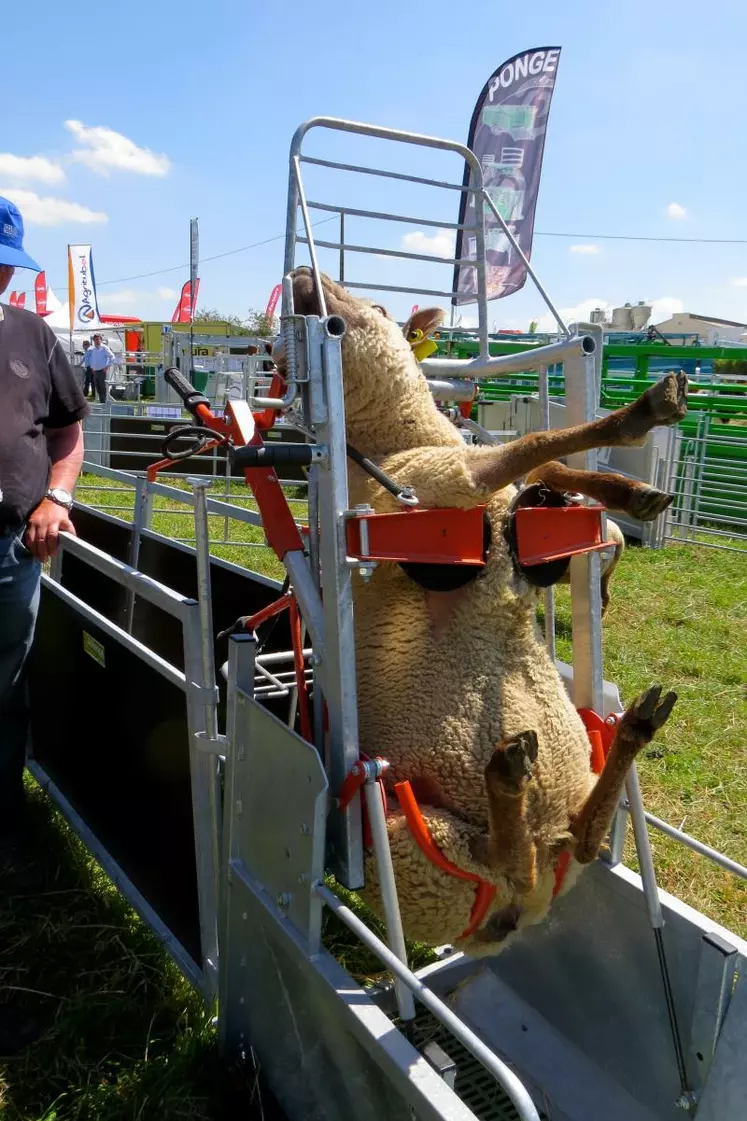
(740, 281)
(674, 210)
(123, 297)
(578, 314)
(664, 308)
(106, 150)
(25, 169)
(140, 299)
(440, 244)
(584, 250)
(38, 210)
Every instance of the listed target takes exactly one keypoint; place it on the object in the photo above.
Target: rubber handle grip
(189, 395)
(278, 455)
(176, 379)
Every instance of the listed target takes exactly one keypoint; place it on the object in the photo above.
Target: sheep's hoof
(665, 402)
(648, 502)
(648, 713)
(511, 764)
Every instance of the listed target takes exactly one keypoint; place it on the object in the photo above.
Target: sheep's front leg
(663, 403)
(636, 729)
(616, 492)
(508, 846)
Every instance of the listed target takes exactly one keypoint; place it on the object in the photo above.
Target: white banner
(84, 308)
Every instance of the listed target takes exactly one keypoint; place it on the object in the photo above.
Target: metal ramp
(568, 1024)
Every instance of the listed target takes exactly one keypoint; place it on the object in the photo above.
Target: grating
(474, 1085)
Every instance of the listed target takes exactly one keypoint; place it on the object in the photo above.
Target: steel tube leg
(387, 883)
(206, 763)
(653, 906)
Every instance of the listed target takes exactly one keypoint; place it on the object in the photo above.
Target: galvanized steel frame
(201, 699)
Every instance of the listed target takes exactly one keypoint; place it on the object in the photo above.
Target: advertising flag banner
(187, 305)
(507, 134)
(13, 301)
(40, 293)
(272, 303)
(84, 308)
(194, 260)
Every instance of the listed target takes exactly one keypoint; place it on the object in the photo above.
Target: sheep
(456, 689)
(651, 502)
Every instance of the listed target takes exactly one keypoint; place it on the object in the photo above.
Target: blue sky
(649, 111)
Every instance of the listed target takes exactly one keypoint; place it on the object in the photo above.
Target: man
(41, 452)
(100, 361)
(88, 382)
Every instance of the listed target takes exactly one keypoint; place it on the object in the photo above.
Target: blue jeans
(20, 575)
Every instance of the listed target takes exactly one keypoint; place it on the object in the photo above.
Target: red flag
(21, 299)
(414, 309)
(272, 303)
(40, 291)
(13, 299)
(185, 309)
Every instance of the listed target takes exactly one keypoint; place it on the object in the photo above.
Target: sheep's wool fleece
(444, 678)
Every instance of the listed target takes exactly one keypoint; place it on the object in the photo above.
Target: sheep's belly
(437, 709)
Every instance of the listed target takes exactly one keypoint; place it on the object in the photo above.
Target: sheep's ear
(421, 323)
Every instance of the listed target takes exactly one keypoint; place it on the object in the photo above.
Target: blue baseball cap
(11, 238)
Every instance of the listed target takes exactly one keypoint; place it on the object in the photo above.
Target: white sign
(167, 412)
(84, 308)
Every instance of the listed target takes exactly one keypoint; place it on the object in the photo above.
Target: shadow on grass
(123, 1035)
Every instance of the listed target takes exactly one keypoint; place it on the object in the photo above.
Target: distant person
(100, 361)
(88, 382)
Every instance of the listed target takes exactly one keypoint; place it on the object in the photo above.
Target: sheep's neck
(395, 415)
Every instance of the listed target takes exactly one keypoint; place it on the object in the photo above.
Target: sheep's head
(381, 373)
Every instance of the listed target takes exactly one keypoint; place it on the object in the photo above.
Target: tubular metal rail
(707, 471)
(583, 1017)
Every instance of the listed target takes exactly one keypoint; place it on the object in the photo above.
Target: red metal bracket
(548, 533)
(441, 536)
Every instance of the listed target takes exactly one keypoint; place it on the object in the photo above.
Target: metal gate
(708, 473)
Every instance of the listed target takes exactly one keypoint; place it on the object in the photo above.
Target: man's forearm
(65, 447)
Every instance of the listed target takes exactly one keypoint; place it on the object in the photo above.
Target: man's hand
(45, 525)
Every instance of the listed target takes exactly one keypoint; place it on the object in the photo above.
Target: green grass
(679, 617)
(126, 1039)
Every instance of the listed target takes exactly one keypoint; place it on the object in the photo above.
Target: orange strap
(601, 734)
(485, 893)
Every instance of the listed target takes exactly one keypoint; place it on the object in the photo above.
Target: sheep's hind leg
(636, 729)
(616, 492)
(509, 846)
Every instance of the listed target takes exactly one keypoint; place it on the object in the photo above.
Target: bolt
(316, 659)
(305, 830)
(303, 878)
(283, 900)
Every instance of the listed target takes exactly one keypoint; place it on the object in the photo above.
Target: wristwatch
(60, 496)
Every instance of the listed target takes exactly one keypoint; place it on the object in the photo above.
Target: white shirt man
(100, 359)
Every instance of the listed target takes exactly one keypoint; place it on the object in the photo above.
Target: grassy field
(125, 1039)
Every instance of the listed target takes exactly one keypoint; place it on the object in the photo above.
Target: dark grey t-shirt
(38, 390)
